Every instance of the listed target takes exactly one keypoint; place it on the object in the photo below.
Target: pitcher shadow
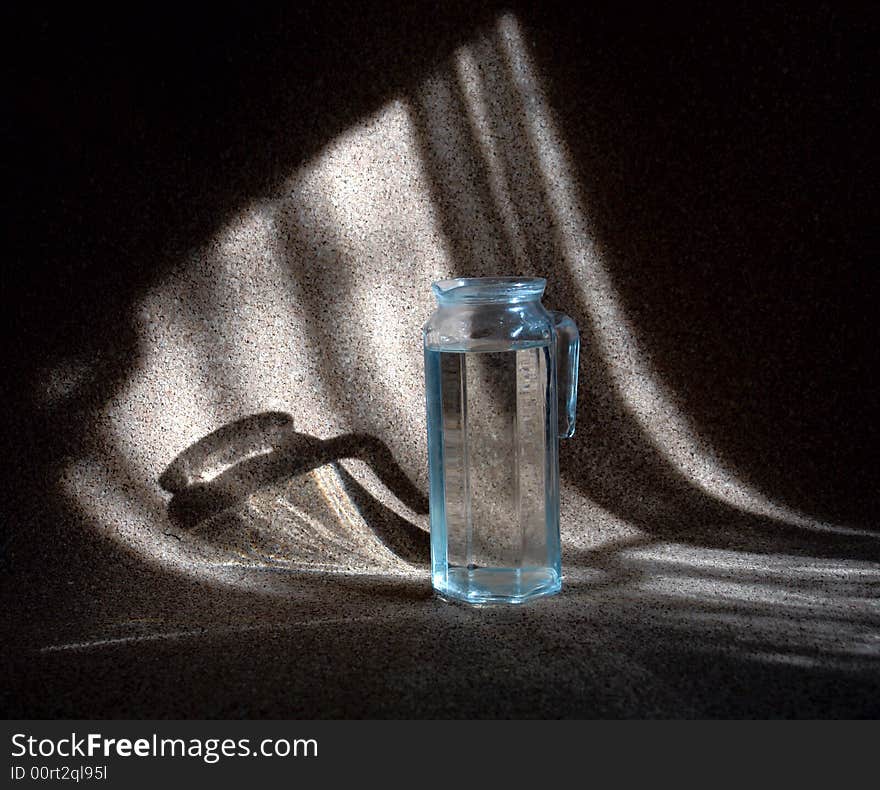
(258, 490)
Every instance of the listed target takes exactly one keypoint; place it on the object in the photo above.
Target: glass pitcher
(500, 374)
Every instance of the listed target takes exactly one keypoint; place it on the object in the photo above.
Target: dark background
(728, 158)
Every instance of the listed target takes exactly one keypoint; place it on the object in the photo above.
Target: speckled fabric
(226, 512)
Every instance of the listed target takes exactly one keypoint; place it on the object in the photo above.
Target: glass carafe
(501, 386)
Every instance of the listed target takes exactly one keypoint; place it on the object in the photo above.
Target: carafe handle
(568, 346)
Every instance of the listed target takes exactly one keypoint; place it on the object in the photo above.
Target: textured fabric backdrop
(223, 250)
